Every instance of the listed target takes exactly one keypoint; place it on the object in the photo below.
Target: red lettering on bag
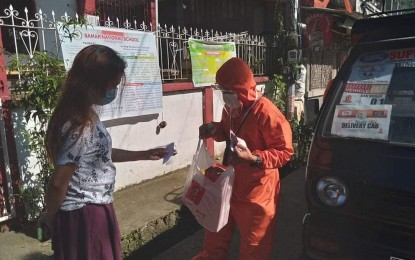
(195, 192)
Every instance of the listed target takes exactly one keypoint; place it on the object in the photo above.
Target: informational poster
(371, 122)
(142, 91)
(207, 57)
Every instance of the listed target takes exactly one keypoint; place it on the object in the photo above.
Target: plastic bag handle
(198, 146)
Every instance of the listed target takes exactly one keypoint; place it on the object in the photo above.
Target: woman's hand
(156, 153)
(120, 155)
(46, 222)
(55, 195)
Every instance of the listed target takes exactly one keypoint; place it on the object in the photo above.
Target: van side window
(377, 100)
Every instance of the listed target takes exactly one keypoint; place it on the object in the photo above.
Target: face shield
(230, 100)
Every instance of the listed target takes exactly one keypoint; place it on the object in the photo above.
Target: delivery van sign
(369, 122)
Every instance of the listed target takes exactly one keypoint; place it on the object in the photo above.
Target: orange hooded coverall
(256, 189)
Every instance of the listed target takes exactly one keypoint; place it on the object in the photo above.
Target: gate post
(4, 193)
(86, 7)
(153, 15)
(208, 117)
(13, 201)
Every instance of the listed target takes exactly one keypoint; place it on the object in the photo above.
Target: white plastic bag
(207, 194)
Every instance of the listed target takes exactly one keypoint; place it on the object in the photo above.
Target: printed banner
(207, 57)
(142, 93)
(371, 122)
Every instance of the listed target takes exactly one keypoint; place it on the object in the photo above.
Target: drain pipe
(292, 46)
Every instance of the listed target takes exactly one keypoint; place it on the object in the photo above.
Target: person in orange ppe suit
(268, 138)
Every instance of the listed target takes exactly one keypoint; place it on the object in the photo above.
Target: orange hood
(236, 75)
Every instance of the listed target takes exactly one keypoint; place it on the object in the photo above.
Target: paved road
(289, 244)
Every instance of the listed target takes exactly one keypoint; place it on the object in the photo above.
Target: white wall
(217, 115)
(183, 114)
(26, 159)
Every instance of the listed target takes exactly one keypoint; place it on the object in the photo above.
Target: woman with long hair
(79, 214)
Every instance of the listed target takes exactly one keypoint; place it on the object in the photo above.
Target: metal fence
(26, 33)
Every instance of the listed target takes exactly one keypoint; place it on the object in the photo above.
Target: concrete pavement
(154, 225)
(144, 211)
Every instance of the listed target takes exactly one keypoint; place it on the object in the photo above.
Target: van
(360, 174)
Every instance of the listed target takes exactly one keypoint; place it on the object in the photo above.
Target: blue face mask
(110, 95)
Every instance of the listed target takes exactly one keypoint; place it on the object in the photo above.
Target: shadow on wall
(130, 120)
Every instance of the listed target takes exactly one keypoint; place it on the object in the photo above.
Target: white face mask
(231, 100)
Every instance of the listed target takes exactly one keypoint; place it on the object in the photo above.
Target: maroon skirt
(88, 233)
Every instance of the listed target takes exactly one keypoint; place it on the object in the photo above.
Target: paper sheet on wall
(207, 57)
(142, 93)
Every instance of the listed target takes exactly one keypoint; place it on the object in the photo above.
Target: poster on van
(364, 93)
(362, 121)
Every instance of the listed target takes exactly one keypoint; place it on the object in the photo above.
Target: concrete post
(5, 99)
(208, 117)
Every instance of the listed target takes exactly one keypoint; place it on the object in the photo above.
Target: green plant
(37, 92)
(302, 133)
(279, 24)
(257, 63)
(277, 93)
(40, 77)
(69, 27)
